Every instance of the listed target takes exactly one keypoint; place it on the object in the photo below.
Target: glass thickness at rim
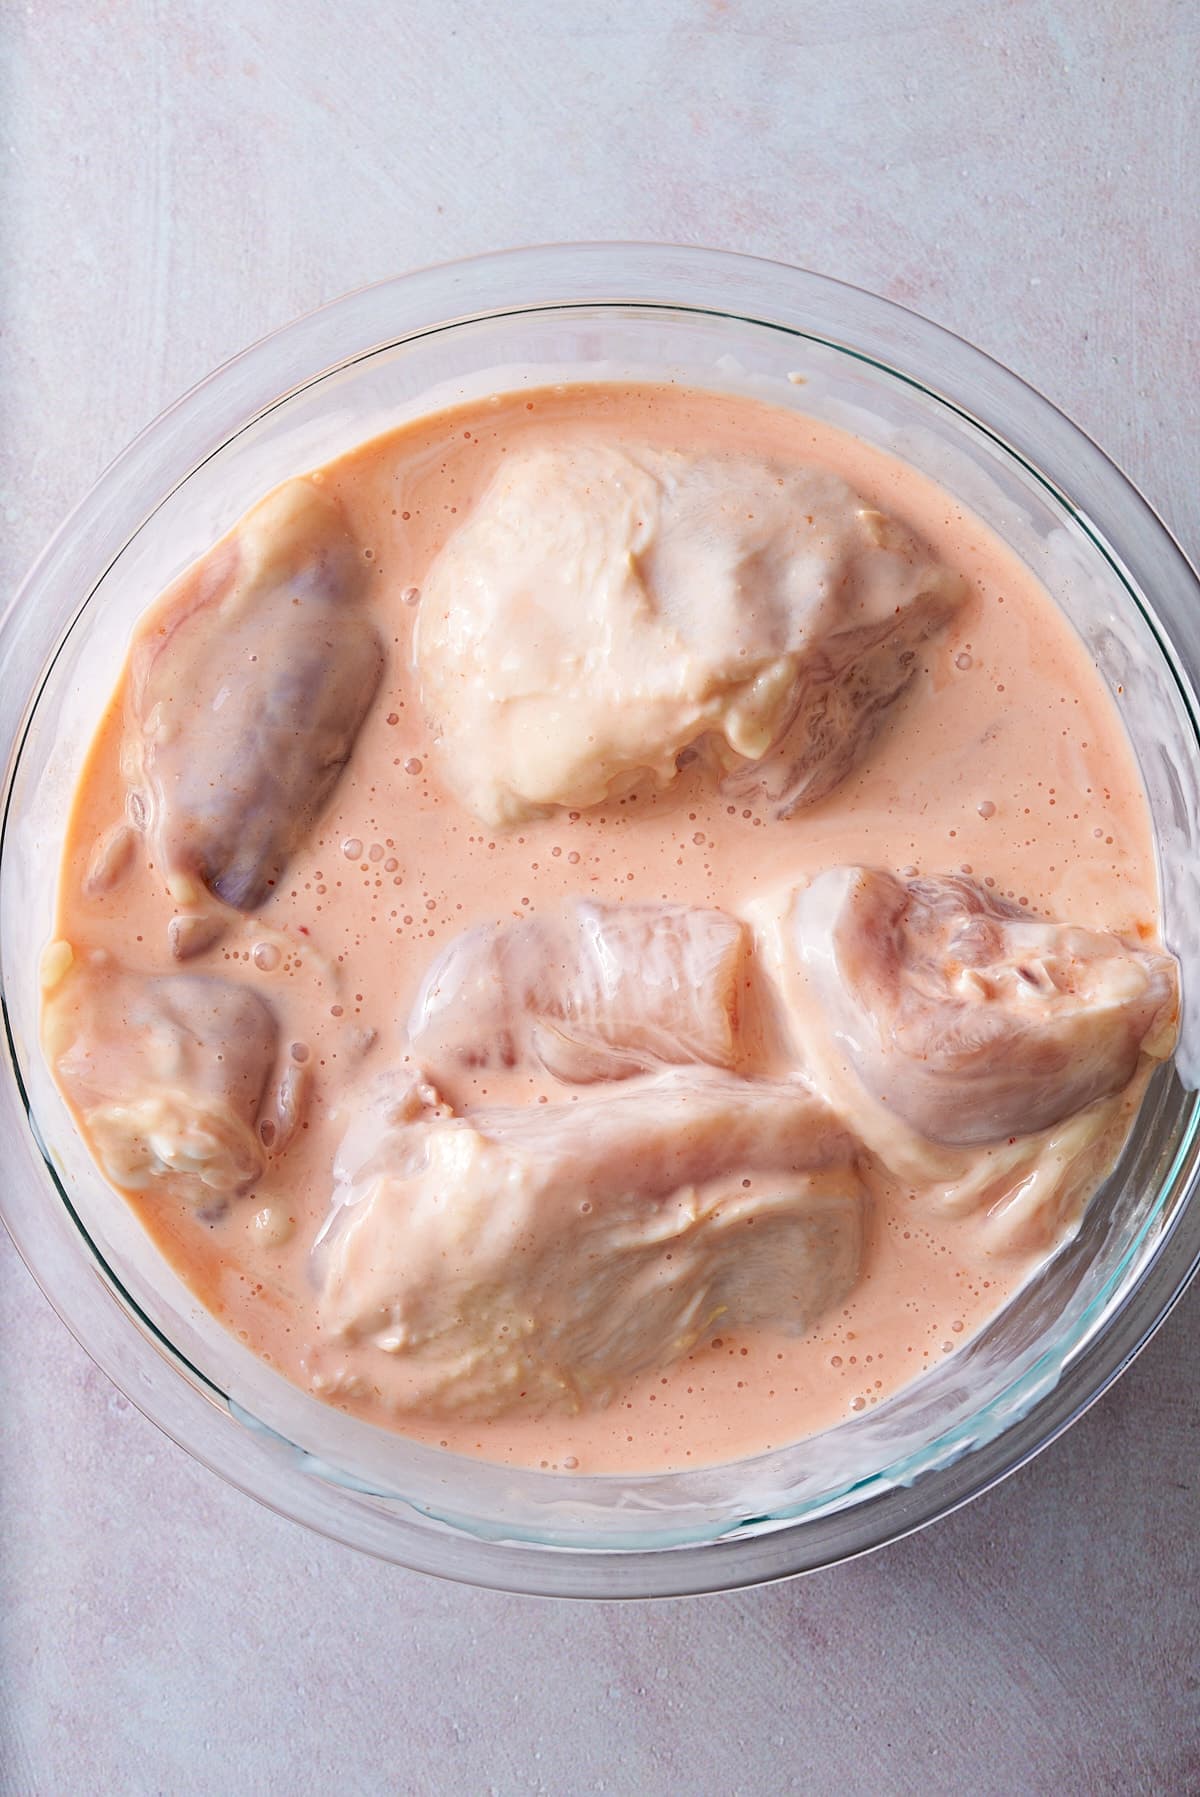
(748, 1558)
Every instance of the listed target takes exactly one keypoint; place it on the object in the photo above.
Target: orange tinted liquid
(1005, 758)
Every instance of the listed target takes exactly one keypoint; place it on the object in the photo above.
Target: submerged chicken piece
(596, 992)
(249, 683)
(166, 1074)
(544, 1256)
(967, 1018)
(603, 610)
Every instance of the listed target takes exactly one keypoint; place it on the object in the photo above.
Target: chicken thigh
(249, 684)
(969, 1019)
(604, 610)
(166, 1073)
(544, 1256)
(596, 992)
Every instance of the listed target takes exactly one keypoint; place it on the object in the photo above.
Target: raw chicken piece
(598, 992)
(248, 686)
(969, 1019)
(1031, 1184)
(603, 610)
(166, 1074)
(545, 1256)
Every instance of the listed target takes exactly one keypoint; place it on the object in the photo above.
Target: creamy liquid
(1005, 759)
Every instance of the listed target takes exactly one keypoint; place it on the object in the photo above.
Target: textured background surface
(177, 180)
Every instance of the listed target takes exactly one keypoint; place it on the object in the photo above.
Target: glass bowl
(313, 390)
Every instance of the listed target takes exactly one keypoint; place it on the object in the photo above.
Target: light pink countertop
(177, 180)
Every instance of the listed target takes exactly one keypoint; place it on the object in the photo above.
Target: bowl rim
(639, 275)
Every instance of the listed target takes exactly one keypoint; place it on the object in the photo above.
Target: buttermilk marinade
(609, 928)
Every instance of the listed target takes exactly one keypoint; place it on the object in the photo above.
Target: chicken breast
(603, 610)
(248, 686)
(595, 992)
(544, 1256)
(166, 1074)
(966, 1017)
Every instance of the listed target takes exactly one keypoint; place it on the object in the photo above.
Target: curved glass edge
(1036, 1375)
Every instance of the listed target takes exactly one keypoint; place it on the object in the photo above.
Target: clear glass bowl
(313, 390)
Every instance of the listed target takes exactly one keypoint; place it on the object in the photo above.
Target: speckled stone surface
(177, 180)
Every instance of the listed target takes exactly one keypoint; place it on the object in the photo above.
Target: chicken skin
(605, 610)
